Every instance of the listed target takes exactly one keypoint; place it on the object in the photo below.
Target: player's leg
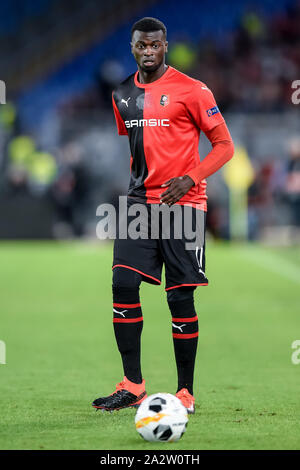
(128, 320)
(135, 260)
(185, 340)
(184, 258)
(128, 325)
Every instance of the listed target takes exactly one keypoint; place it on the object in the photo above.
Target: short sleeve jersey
(163, 121)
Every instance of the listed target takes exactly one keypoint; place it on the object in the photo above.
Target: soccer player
(162, 111)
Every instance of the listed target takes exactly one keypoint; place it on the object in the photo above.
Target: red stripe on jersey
(179, 285)
(127, 305)
(134, 269)
(185, 336)
(127, 320)
(188, 320)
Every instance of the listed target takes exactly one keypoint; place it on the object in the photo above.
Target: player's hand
(177, 188)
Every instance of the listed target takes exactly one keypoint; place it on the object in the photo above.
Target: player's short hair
(148, 24)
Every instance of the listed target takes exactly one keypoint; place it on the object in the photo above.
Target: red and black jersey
(163, 120)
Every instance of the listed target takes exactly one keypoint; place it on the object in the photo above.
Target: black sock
(128, 325)
(185, 340)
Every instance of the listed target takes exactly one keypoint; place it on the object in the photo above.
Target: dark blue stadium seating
(14, 12)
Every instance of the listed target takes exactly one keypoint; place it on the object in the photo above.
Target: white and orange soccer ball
(161, 418)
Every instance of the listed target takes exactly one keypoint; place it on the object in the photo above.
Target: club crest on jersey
(165, 100)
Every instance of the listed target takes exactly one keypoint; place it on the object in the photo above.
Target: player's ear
(166, 46)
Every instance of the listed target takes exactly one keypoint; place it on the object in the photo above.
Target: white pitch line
(272, 262)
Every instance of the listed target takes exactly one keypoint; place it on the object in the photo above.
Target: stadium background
(60, 157)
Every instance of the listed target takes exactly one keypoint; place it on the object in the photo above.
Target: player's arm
(221, 152)
(119, 121)
(206, 115)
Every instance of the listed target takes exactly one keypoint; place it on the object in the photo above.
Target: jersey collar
(149, 85)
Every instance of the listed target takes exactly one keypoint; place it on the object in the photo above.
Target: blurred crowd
(273, 200)
(43, 195)
(255, 68)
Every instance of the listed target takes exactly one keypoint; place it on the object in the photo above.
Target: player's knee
(123, 277)
(126, 284)
(180, 294)
(181, 302)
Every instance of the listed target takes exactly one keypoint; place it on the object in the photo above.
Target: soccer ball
(161, 418)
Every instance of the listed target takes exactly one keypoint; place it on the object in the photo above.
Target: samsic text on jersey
(163, 120)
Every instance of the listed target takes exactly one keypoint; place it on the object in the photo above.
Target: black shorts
(161, 235)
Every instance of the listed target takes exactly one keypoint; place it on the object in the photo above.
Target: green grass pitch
(56, 321)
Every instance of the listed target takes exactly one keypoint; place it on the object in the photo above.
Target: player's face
(149, 49)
